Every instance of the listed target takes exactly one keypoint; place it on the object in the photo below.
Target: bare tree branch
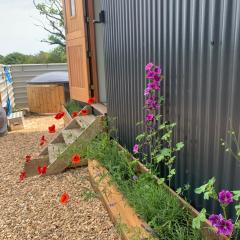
(53, 12)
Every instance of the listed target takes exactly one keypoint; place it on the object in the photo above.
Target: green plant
(155, 146)
(73, 106)
(163, 213)
(225, 226)
(88, 194)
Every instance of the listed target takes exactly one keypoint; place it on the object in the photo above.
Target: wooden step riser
(31, 167)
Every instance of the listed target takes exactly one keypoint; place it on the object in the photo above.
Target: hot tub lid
(49, 78)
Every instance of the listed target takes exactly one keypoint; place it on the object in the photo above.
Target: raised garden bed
(128, 191)
(122, 215)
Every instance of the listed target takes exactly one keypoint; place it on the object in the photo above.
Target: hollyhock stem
(224, 211)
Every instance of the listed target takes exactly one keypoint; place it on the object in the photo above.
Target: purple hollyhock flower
(135, 148)
(148, 66)
(149, 117)
(158, 70)
(215, 219)
(225, 197)
(225, 227)
(150, 75)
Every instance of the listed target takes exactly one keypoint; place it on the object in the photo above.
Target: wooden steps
(74, 138)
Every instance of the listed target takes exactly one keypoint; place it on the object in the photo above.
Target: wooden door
(76, 41)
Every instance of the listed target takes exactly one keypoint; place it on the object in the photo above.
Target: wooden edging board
(122, 215)
(207, 230)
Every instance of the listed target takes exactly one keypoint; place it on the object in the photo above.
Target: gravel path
(31, 209)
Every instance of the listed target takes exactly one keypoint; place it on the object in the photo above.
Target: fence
(197, 44)
(6, 89)
(22, 73)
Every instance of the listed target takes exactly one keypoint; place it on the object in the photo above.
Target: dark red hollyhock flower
(91, 100)
(22, 175)
(74, 114)
(76, 159)
(28, 158)
(52, 129)
(64, 198)
(42, 170)
(84, 112)
(42, 140)
(59, 115)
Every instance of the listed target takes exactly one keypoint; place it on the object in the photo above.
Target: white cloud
(17, 30)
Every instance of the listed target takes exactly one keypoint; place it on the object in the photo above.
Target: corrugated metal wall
(22, 73)
(197, 43)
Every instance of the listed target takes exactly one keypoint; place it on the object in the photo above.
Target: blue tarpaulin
(7, 74)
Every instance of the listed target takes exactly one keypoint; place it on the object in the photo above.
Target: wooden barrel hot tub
(48, 92)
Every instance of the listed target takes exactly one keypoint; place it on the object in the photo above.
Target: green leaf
(161, 181)
(139, 123)
(236, 195)
(179, 191)
(179, 146)
(162, 126)
(196, 223)
(237, 208)
(140, 137)
(207, 189)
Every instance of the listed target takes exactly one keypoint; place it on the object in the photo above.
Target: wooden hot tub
(48, 92)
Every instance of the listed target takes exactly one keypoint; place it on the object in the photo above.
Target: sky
(18, 32)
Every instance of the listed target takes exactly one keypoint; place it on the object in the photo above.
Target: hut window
(72, 8)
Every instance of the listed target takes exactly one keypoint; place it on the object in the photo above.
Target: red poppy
(28, 158)
(42, 170)
(42, 140)
(22, 175)
(74, 114)
(76, 158)
(52, 129)
(59, 115)
(91, 100)
(84, 112)
(64, 198)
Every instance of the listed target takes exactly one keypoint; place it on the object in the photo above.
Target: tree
(1, 59)
(15, 58)
(53, 12)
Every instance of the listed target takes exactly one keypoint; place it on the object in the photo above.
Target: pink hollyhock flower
(135, 148)
(149, 117)
(150, 75)
(147, 91)
(158, 70)
(225, 197)
(148, 66)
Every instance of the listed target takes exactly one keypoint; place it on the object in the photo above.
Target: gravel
(31, 209)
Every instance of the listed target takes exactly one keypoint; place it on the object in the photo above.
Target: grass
(73, 106)
(162, 211)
